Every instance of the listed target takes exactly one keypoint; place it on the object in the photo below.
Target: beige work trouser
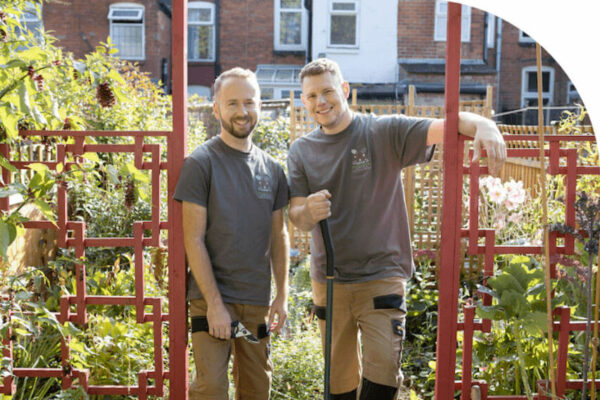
(377, 310)
(252, 368)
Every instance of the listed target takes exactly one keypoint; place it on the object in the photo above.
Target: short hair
(320, 66)
(235, 72)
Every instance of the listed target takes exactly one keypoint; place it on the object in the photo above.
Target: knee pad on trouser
(351, 395)
(375, 391)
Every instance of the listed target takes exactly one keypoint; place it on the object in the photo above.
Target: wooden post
(176, 148)
(354, 95)
(451, 217)
(488, 101)
(293, 133)
(411, 100)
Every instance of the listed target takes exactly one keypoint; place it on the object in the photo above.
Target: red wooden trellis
(71, 234)
(562, 160)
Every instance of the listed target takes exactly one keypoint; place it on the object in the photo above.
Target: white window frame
(333, 12)
(211, 6)
(278, 86)
(439, 30)
(277, 45)
(525, 38)
(31, 15)
(525, 94)
(113, 21)
(491, 30)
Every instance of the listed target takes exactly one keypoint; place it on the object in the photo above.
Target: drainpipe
(308, 4)
(217, 41)
(485, 37)
(498, 59)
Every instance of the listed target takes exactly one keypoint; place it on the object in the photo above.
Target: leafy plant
(518, 291)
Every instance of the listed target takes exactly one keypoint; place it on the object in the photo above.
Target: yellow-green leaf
(45, 209)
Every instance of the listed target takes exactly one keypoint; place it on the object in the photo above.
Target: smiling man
(348, 170)
(233, 196)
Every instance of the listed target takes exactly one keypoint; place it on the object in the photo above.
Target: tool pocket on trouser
(381, 322)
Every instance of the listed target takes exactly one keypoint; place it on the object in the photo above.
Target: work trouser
(377, 309)
(252, 368)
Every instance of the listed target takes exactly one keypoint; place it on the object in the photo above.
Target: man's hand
(278, 314)
(318, 206)
(489, 137)
(219, 321)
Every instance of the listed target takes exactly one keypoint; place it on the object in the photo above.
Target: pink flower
(497, 194)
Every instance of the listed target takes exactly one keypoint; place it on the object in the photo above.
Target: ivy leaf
(39, 168)
(494, 313)
(6, 164)
(536, 322)
(92, 157)
(130, 170)
(45, 209)
(38, 116)
(8, 191)
(10, 121)
(24, 103)
(486, 290)
(8, 233)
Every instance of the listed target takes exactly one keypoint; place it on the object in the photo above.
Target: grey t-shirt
(240, 192)
(360, 167)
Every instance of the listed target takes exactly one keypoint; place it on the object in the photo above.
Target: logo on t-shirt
(262, 183)
(360, 159)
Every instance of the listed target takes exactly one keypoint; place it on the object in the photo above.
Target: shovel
(329, 308)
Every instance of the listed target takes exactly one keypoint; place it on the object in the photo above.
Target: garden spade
(329, 308)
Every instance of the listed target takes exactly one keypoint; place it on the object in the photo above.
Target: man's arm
(484, 132)
(280, 262)
(194, 230)
(306, 212)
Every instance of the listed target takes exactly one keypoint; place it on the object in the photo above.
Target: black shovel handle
(329, 309)
(324, 224)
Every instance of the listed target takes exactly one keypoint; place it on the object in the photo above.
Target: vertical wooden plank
(178, 333)
(450, 243)
(488, 107)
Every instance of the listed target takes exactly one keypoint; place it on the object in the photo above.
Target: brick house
(139, 29)
(383, 47)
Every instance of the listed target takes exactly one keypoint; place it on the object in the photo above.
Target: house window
(491, 30)
(31, 21)
(127, 30)
(525, 38)
(441, 19)
(201, 31)
(290, 25)
(276, 81)
(529, 87)
(343, 23)
(572, 94)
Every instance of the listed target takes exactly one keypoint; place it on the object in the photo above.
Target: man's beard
(239, 133)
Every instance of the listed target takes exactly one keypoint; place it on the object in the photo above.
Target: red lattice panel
(562, 159)
(72, 234)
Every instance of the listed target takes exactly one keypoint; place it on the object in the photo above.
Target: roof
(436, 67)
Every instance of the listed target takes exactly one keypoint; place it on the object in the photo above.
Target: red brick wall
(516, 56)
(71, 20)
(246, 35)
(416, 22)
